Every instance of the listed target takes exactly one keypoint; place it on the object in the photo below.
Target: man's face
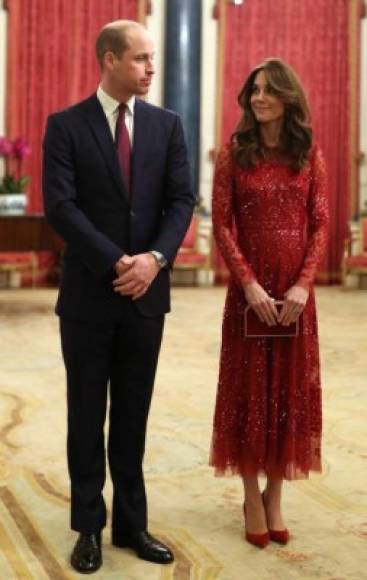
(132, 73)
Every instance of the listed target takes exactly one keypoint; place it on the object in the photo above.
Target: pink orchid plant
(13, 153)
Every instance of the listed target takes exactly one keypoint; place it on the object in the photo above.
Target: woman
(270, 223)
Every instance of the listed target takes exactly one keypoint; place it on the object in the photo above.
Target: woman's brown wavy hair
(296, 136)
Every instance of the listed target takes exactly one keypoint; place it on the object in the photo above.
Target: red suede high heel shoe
(258, 540)
(278, 536)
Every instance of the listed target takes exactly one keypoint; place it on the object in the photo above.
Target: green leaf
(23, 182)
(11, 185)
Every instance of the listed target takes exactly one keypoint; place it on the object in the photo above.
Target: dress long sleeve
(223, 222)
(318, 220)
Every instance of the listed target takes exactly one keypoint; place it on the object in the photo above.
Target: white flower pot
(13, 203)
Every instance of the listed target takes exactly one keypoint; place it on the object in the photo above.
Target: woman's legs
(255, 512)
(272, 501)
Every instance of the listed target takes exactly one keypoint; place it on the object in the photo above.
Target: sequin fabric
(270, 225)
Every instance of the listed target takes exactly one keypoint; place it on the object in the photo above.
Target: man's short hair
(113, 37)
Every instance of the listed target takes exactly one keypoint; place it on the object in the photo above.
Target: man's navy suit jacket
(87, 204)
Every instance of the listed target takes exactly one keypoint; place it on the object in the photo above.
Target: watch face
(161, 261)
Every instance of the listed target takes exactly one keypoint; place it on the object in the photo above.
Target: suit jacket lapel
(141, 142)
(102, 134)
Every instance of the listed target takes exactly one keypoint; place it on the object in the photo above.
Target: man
(117, 189)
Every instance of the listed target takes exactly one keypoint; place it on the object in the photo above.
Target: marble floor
(199, 515)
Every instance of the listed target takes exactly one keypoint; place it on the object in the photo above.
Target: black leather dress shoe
(146, 547)
(86, 557)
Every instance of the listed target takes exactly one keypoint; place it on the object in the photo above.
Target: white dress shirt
(110, 108)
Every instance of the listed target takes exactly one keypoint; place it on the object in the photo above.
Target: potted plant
(13, 199)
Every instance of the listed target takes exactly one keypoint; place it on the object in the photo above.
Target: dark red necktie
(123, 145)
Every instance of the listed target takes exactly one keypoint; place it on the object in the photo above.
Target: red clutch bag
(254, 328)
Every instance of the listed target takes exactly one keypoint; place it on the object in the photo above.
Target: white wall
(208, 104)
(155, 25)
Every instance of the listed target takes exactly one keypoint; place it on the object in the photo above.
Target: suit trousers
(119, 356)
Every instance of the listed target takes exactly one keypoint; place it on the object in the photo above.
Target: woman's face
(266, 106)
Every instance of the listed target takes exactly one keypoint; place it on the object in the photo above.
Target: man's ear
(108, 60)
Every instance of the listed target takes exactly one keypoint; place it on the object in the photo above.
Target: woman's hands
(261, 302)
(295, 301)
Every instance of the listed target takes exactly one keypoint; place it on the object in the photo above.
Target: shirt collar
(109, 104)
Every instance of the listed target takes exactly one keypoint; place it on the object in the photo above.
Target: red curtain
(313, 37)
(51, 65)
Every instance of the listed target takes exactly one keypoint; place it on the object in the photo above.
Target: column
(183, 70)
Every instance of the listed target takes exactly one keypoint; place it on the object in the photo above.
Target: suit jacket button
(132, 213)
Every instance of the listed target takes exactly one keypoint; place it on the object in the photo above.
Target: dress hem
(290, 474)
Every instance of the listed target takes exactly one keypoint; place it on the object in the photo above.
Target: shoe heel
(278, 536)
(258, 540)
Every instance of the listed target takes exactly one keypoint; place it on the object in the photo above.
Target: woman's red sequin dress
(268, 409)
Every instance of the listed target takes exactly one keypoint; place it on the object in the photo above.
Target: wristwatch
(159, 258)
